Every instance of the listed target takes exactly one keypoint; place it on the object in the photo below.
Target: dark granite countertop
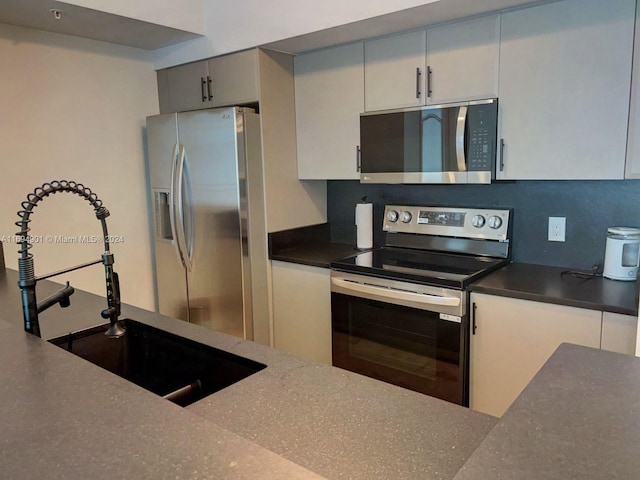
(547, 284)
(540, 283)
(318, 254)
(312, 246)
(63, 417)
(579, 418)
(309, 245)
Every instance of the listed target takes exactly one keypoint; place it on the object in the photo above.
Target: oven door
(410, 335)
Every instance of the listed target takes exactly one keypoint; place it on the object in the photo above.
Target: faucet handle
(65, 301)
(107, 312)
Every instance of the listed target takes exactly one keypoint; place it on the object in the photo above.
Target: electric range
(400, 313)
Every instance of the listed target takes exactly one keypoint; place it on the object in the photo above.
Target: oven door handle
(396, 294)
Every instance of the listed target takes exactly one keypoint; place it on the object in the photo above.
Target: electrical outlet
(557, 227)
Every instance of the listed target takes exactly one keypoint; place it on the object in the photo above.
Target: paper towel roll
(364, 224)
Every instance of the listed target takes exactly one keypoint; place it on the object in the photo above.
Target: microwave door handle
(396, 294)
(460, 129)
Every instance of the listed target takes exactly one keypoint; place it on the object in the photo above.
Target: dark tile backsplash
(590, 207)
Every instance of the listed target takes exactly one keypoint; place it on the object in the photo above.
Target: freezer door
(162, 137)
(215, 282)
(170, 273)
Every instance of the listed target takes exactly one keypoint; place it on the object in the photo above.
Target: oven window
(408, 347)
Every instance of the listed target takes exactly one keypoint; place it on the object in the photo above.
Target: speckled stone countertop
(542, 283)
(65, 418)
(579, 418)
(62, 417)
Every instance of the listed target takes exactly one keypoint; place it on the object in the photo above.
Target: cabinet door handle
(502, 154)
(429, 71)
(473, 321)
(418, 75)
(209, 88)
(358, 164)
(202, 85)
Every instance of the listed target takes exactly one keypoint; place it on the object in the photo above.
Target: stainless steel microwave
(453, 143)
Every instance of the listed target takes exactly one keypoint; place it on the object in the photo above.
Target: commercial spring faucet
(27, 279)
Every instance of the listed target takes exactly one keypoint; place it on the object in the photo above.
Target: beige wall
(75, 109)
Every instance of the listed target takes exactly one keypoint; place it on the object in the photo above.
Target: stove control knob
(405, 217)
(392, 216)
(478, 221)
(495, 222)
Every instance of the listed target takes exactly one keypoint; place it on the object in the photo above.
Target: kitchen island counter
(578, 418)
(64, 417)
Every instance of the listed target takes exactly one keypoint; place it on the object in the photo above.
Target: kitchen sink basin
(177, 369)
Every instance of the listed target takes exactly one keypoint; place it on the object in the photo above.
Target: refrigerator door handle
(176, 229)
(190, 223)
(173, 201)
(184, 225)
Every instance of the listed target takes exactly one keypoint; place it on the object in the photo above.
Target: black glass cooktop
(419, 266)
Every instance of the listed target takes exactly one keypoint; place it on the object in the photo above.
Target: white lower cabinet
(619, 333)
(513, 339)
(302, 310)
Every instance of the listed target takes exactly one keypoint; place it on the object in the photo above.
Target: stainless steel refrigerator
(205, 172)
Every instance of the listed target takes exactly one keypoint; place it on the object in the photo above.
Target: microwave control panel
(482, 124)
(476, 223)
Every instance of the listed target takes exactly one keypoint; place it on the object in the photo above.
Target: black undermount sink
(177, 369)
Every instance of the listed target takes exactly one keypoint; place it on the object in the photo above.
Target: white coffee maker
(622, 253)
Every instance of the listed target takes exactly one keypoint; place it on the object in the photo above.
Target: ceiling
(88, 23)
(98, 25)
(417, 17)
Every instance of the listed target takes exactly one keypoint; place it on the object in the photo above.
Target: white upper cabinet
(394, 71)
(234, 79)
(462, 60)
(221, 81)
(447, 63)
(565, 72)
(633, 146)
(329, 86)
(187, 87)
